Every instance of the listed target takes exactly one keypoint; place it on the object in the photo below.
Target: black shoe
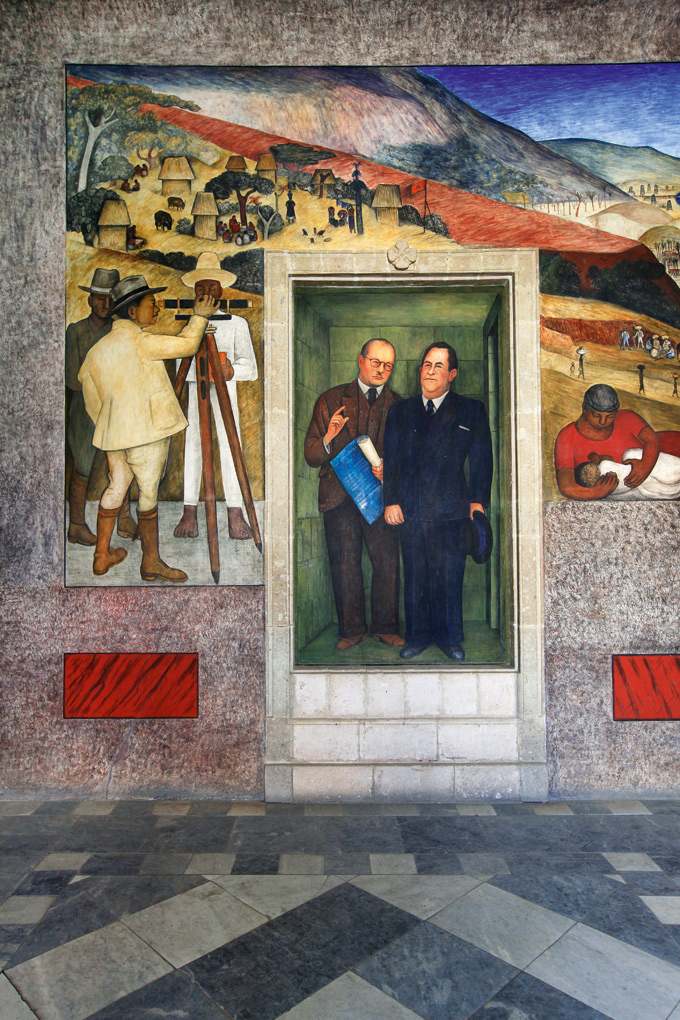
(454, 652)
(411, 651)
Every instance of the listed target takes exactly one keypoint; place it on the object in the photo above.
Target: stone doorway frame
(375, 734)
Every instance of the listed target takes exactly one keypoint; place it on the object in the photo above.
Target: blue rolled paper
(355, 474)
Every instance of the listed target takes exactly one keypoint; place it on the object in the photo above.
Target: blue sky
(629, 104)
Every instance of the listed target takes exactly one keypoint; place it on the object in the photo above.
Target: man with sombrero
(80, 338)
(130, 399)
(235, 348)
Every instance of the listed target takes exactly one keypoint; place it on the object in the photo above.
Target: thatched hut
(238, 164)
(387, 203)
(324, 179)
(205, 214)
(114, 220)
(266, 166)
(176, 175)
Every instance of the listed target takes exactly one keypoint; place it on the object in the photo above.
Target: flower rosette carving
(402, 255)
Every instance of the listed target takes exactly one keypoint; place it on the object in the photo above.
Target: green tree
(292, 156)
(95, 110)
(243, 185)
(113, 168)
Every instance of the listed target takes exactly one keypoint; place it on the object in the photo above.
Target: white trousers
(193, 462)
(144, 463)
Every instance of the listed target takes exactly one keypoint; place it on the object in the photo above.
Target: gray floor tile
(435, 974)
(572, 895)
(483, 864)
(44, 883)
(556, 863)
(12, 1006)
(108, 835)
(648, 883)
(210, 864)
(438, 862)
(173, 997)
(128, 894)
(421, 895)
(73, 981)
(344, 835)
(624, 916)
(632, 862)
(393, 864)
(255, 864)
(273, 895)
(621, 981)
(11, 938)
(526, 998)
(347, 864)
(451, 835)
(113, 864)
(194, 923)
(347, 998)
(25, 909)
(190, 834)
(74, 914)
(274, 834)
(165, 864)
(509, 927)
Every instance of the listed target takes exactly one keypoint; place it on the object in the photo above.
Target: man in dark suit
(428, 439)
(340, 415)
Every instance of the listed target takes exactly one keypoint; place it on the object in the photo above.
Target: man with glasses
(340, 415)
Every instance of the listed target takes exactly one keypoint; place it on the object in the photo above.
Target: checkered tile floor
(208, 910)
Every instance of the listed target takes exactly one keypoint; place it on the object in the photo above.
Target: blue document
(354, 472)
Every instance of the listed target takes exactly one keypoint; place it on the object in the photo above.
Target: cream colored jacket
(126, 388)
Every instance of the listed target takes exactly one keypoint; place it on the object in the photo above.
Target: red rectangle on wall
(646, 686)
(122, 685)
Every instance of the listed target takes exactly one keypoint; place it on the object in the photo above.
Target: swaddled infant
(662, 483)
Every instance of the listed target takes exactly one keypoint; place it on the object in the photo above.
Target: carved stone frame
(393, 744)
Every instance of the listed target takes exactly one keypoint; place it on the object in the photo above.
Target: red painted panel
(121, 685)
(646, 686)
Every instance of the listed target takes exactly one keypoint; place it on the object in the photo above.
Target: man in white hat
(81, 336)
(235, 348)
(130, 399)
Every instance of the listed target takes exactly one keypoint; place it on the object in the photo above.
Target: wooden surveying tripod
(207, 363)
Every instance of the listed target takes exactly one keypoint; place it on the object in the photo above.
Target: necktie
(372, 396)
(431, 409)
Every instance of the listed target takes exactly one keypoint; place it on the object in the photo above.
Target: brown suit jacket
(363, 421)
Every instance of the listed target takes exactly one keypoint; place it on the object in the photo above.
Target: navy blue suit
(424, 473)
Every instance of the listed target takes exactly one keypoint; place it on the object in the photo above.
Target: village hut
(238, 164)
(114, 220)
(324, 179)
(266, 166)
(387, 203)
(205, 214)
(176, 175)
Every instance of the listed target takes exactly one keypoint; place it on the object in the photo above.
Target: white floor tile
(82, 976)
(210, 864)
(348, 998)
(324, 810)
(666, 908)
(247, 809)
(301, 864)
(9, 808)
(552, 808)
(627, 807)
(422, 895)
(619, 980)
(25, 909)
(62, 862)
(475, 809)
(508, 926)
(194, 923)
(171, 807)
(95, 807)
(393, 864)
(631, 862)
(12, 1006)
(273, 895)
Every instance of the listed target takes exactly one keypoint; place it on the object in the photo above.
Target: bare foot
(188, 525)
(237, 524)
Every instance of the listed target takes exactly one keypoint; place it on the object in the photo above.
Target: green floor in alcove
(482, 647)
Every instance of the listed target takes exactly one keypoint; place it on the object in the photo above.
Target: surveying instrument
(209, 369)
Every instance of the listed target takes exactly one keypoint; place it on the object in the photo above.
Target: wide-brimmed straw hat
(208, 268)
(103, 281)
(130, 289)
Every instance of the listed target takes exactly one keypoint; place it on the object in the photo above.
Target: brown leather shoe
(78, 531)
(153, 568)
(104, 556)
(396, 640)
(127, 525)
(349, 642)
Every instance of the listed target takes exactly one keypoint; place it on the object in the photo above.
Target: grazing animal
(175, 202)
(163, 220)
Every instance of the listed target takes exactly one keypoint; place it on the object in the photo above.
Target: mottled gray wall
(222, 751)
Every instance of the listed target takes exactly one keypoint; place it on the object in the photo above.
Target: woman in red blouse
(604, 430)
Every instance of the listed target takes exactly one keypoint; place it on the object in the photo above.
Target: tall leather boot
(127, 525)
(153, 568)
(104, 556)
(78, 531)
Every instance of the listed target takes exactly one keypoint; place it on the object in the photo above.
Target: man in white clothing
(662, 483)
(129, 398)
(235, 348)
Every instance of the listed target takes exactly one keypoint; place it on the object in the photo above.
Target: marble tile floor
(207, 910)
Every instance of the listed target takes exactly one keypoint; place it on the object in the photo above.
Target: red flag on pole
(418, 186)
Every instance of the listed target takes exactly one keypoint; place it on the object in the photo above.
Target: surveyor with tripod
(130, 399)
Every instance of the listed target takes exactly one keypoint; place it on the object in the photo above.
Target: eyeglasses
(374, 363)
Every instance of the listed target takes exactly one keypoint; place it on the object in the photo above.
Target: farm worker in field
(235, 348)
(639, 336)
(624, 339)
(129, 397)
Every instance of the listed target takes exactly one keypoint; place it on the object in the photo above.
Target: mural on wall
(179, 179)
